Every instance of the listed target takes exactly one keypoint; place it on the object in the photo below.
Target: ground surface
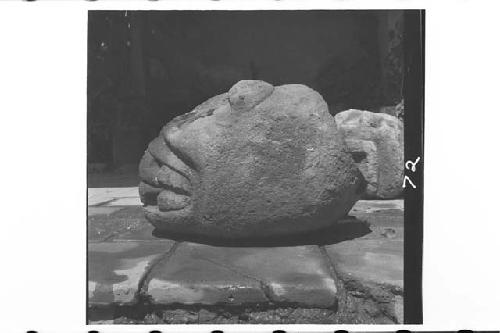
(350, 274)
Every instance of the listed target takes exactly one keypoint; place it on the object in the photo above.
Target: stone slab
(202, 274)
(115, 269)
(101, 196)
(377, 257)
(101, 210)
(387, 223)
(379, 261)
(369, 206)
(127, 201)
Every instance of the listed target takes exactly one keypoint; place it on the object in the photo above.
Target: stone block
(202, 274)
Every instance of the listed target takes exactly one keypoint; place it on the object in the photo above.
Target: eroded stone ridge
(375, 141)
(257, 161)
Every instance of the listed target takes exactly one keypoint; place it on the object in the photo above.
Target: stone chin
(258, 161)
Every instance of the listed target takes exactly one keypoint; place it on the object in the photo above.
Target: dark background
(146, 67)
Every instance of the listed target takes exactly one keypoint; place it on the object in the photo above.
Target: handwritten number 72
(410, 165)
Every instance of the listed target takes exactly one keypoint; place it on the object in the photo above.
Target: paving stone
(378, 256)
(385, 224)
(379, 261)
(369, 206)
(128, 201)
(202, 274)
(115, 269)
(99, 196)
(99, 210)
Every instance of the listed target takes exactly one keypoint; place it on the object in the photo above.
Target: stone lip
(259, 162)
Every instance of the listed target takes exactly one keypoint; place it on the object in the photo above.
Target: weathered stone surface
(115, 269)
(202, 274)
(371, 267)
(258, 161)
(376, 142)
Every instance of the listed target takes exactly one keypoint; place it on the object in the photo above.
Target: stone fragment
(258, 161)
(375, 140)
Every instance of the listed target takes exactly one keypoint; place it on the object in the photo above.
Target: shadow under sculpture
(257, 162)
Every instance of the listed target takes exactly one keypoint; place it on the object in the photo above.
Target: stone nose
(246, 94)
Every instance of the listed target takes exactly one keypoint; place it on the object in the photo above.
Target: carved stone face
(257, 161)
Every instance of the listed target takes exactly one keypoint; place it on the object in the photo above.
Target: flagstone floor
(354, 274)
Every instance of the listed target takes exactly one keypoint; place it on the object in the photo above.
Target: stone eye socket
(358, 156)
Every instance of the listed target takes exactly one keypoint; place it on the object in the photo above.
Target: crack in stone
(100, 204)
(343, 287)
(263, 285)
(341, 291)
(142, 287)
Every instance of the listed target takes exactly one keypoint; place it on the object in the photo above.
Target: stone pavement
(134, 275)
(114, 196)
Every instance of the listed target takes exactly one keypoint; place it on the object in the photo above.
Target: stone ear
(246, 94)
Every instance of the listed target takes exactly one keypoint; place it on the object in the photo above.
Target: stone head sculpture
(258, 161)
